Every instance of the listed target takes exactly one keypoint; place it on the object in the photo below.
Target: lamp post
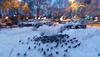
(19, 0)
(72, 1)
(52, 14)
(47, 10)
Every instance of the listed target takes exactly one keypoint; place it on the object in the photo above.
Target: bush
(49, 23)
(75, 24)
(38, 24)
(27, 24)
(9, 24)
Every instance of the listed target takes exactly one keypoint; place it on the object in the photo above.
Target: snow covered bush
(37, 24)
(49, 23)
(74, 24)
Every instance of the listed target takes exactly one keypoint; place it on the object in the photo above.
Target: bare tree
(60, 6)
(90, 9)
(38, 5)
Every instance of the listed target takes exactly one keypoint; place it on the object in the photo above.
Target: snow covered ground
(10, 46)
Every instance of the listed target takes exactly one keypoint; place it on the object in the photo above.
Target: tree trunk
(38, 12)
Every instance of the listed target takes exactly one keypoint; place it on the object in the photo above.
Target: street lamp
(6, 17)
(19, 6)
(72, 1)
(19, 0)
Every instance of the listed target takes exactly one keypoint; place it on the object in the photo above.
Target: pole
(19, 11)
(52, 14)
(72, 14)
(72, 1)
(19, 7)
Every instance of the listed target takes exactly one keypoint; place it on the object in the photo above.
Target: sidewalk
(98, 25)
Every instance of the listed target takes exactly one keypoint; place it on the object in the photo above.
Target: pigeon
(47, 49)
(44, 53)
(18, 54)
(62, 45)
(50, 55)
(66, 50)
(34, 47)
(29, 48)
(51, 48)
(78, 44)
(74, 46)
(71, 39)
(68, 41)
(69, 47)
(39, 44)
(57, 52)
(28, 38)
(65, 43)
(42, 49)
(63, 40)
(99, 54)
(25, 54)
(76, 40)
(72, 42)
(31, 40)
(34, 42)
(57, 44)
(68, 36)
(20, 41)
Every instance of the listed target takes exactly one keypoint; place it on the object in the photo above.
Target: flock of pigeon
(49, 46)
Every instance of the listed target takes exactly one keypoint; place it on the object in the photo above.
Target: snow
(48, 30)
(90, 39)
(10, 46)
(25, 23)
